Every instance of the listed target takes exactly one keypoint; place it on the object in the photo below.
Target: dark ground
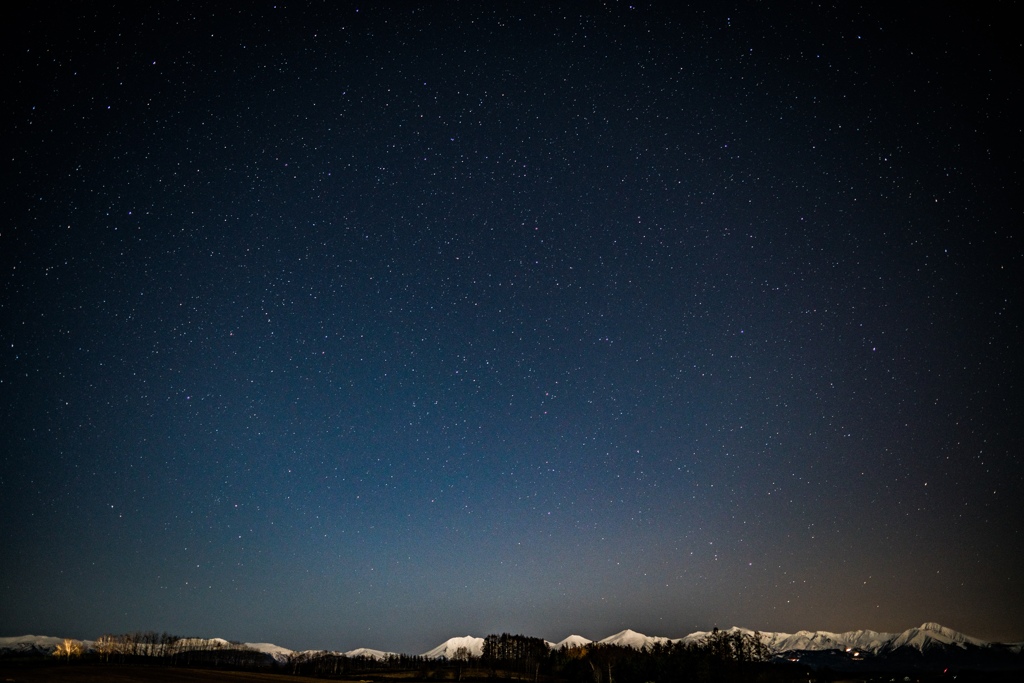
(62, 673)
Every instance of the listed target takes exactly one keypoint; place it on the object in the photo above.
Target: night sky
(339, 325)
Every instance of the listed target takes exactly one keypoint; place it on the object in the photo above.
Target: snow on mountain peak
(30, 643)
(931, 635)
(450, 648)
(630, 638)
(280, 654)
(572, 641)
(379, 655)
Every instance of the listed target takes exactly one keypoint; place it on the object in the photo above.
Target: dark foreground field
(129, 674)
(63, 673)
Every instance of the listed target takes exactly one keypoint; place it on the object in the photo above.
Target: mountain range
(927, 639)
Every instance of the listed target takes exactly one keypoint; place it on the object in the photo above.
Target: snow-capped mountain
(862, 640)
(34, 644)
(450, 648)
(280, 654)
(379, 655)
(924, 638)
(807, 640)
(283, 654)
(929, 638)
(630, 638)
(44, 645)
(933, 635)
(571, 641)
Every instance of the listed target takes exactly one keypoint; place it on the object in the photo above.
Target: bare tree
(68, 649)
(106, 645)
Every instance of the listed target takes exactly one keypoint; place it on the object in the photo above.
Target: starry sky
(372, 324)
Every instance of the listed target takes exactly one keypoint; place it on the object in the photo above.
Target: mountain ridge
(928, 637)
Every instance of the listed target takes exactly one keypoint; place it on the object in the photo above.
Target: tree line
(724, 656)
(323, 664)
(150, 647)
(721, 656)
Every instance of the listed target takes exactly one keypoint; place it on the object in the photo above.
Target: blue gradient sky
(371, 325)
